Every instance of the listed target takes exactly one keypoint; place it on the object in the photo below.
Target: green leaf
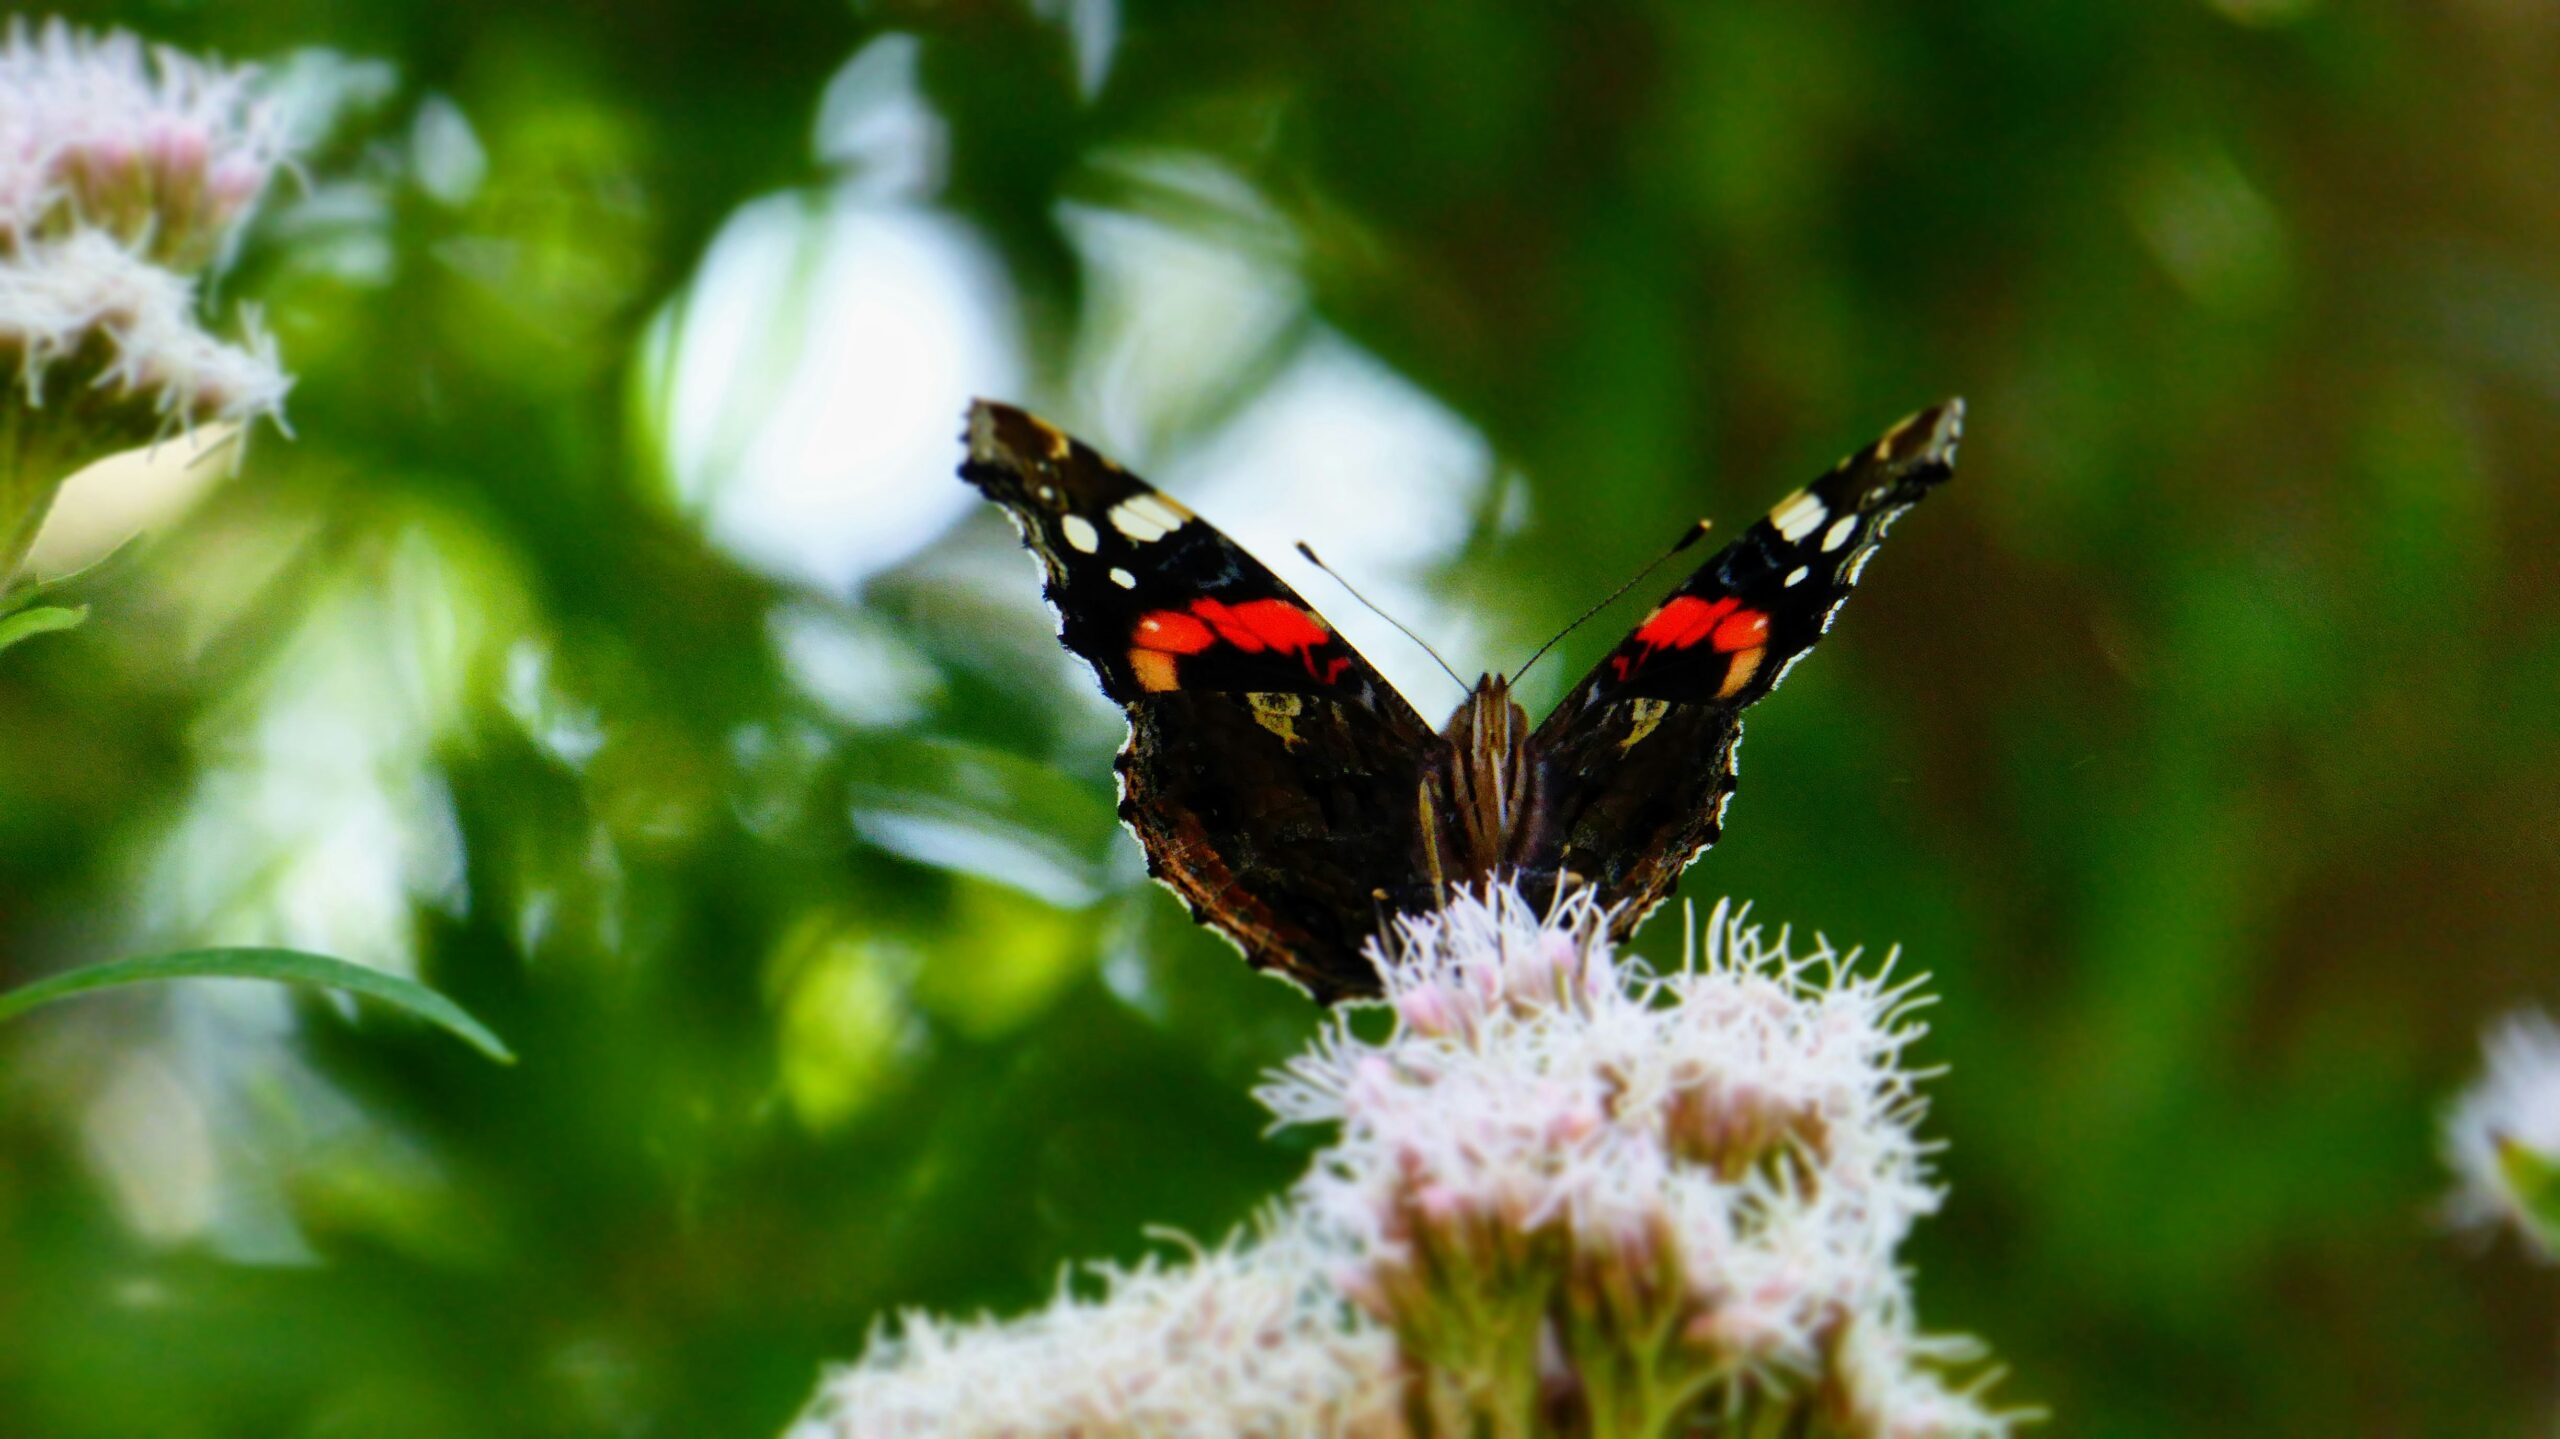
(26, 624)
(284, 965)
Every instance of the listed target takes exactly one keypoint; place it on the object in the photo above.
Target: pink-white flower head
(1733, 1145)
(111, 341)
(2502, 1137)
(123, 173)
(1246, 1341)
(165, 152)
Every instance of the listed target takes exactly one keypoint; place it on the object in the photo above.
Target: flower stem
(33, 465)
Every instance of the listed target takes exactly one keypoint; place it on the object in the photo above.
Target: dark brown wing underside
(1312, 812)
(1633, 794)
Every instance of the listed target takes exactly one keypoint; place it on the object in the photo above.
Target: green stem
(33, 465)
(1480, 1336)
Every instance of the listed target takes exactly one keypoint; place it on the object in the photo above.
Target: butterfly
(1284, 790)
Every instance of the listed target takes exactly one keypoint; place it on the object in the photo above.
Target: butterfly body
(1298, 803)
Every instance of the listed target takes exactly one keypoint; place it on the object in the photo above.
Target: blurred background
(612, 648)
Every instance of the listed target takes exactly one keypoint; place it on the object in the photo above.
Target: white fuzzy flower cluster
(127, 329)
(2502, 1137)
(1243, 1342)
(1567, 1196)
(124, 174)
(1684, 1189)
(162, 151)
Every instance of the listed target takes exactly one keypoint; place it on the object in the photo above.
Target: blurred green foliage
(2199, 739)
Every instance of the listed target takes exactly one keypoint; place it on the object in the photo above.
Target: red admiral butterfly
(1297, 802)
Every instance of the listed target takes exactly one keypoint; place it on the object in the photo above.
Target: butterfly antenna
(1309, 552)
(1696, 533)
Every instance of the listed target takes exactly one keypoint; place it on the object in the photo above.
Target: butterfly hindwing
(1639, 759)
(1270, 769)
(1286, 846)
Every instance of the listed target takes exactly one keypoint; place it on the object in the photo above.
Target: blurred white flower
(2502, 1137)
(1245, 1341)
(164, 152)
(123, 174)
(125, 332)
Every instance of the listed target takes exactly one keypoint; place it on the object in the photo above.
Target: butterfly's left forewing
(1639, 760)
(1270, 771)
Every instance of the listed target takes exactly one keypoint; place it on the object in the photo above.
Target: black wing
(1639, 759)
(1270, 772)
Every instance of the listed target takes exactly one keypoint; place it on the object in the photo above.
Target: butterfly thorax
(1480, 793)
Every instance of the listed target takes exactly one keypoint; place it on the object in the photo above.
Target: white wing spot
(1797, 515)
(1123, 578)
(1839, 533)
(1796, 575)
(1048, 494)
(1147, 518)
(1081, 533)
